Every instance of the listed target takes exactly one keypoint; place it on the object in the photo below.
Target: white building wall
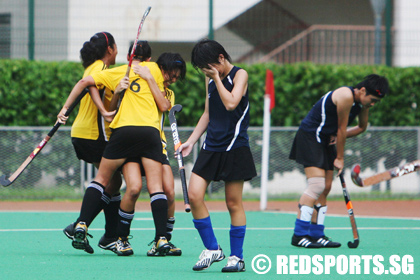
(186, 20)
(407, 33)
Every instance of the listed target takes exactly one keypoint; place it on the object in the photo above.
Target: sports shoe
(304, 241)
(174, 251)
(80, 241)
(123, 247)
(108, 243)
(208, 257)
(69, 231)
(159, 248)
(234, 264)
(326, 242)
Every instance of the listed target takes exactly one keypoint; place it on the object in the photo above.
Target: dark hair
(96, 48)
(207, 52)
(170, 62)
(375, 85)
(142, 52)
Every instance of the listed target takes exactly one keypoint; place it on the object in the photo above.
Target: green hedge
(32, 92)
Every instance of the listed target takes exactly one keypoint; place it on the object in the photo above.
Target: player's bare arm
(199, 129)
(96, 98)
(229, 99)
(77, 89)
(362, 124)
(343, 99)
(144, 72)
(122, 86)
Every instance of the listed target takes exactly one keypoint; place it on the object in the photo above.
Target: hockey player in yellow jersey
(90, 131)
(135, 135)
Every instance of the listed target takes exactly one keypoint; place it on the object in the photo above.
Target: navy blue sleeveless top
(322, 120)
(226, 130)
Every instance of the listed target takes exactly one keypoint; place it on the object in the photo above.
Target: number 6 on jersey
(177, 143)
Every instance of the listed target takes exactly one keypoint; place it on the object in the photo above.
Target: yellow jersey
(89, 123)
(138, 106)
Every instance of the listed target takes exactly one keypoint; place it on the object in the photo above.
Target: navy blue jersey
(323, 119)
(226, 130)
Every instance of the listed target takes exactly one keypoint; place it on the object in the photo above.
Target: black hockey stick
(349, 205)
(6, 182)
(177, 143)
(383, 176)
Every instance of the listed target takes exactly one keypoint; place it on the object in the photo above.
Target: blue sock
(316, 231)
(206, 232)
(301, 228)
(237, 236)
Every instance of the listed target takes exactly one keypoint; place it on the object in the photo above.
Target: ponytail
(96, 48)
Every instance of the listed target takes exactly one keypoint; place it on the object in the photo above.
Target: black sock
(124, 223)
(94, 200)
(169, 227)
(159, 206)
(112, 216)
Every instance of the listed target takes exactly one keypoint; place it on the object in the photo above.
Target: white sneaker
(208, 257)
(234, 264)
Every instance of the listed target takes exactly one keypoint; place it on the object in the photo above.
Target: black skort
(308, 152)
(233, 165)
(89, 150)
(134, 142)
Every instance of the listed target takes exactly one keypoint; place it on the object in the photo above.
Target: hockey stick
(174, 128)
(383, 176)
(133, 50)
(6, 182)
(349, 205)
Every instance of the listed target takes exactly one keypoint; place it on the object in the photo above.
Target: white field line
(250, 228)
(270, 212)
(355, 214)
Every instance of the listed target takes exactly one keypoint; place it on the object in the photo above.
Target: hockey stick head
(4, 182)
(355, 175)
(353, 244)
(174, 126)
(175, 109)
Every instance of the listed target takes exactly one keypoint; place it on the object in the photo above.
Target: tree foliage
(33, 92)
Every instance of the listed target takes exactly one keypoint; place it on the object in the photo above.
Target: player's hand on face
(339, 165)
(142, 71)
(185, 149)
(210, 72)
(61, 118)
(123, 85)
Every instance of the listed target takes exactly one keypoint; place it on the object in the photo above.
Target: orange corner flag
(269, 87)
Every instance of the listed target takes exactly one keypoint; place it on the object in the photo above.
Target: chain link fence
(56, 173)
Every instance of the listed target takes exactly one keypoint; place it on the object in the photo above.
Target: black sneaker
(69, 231)
(304, 241)
(174, 251)
(326, 242)
(80, 241)
(108, 243)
